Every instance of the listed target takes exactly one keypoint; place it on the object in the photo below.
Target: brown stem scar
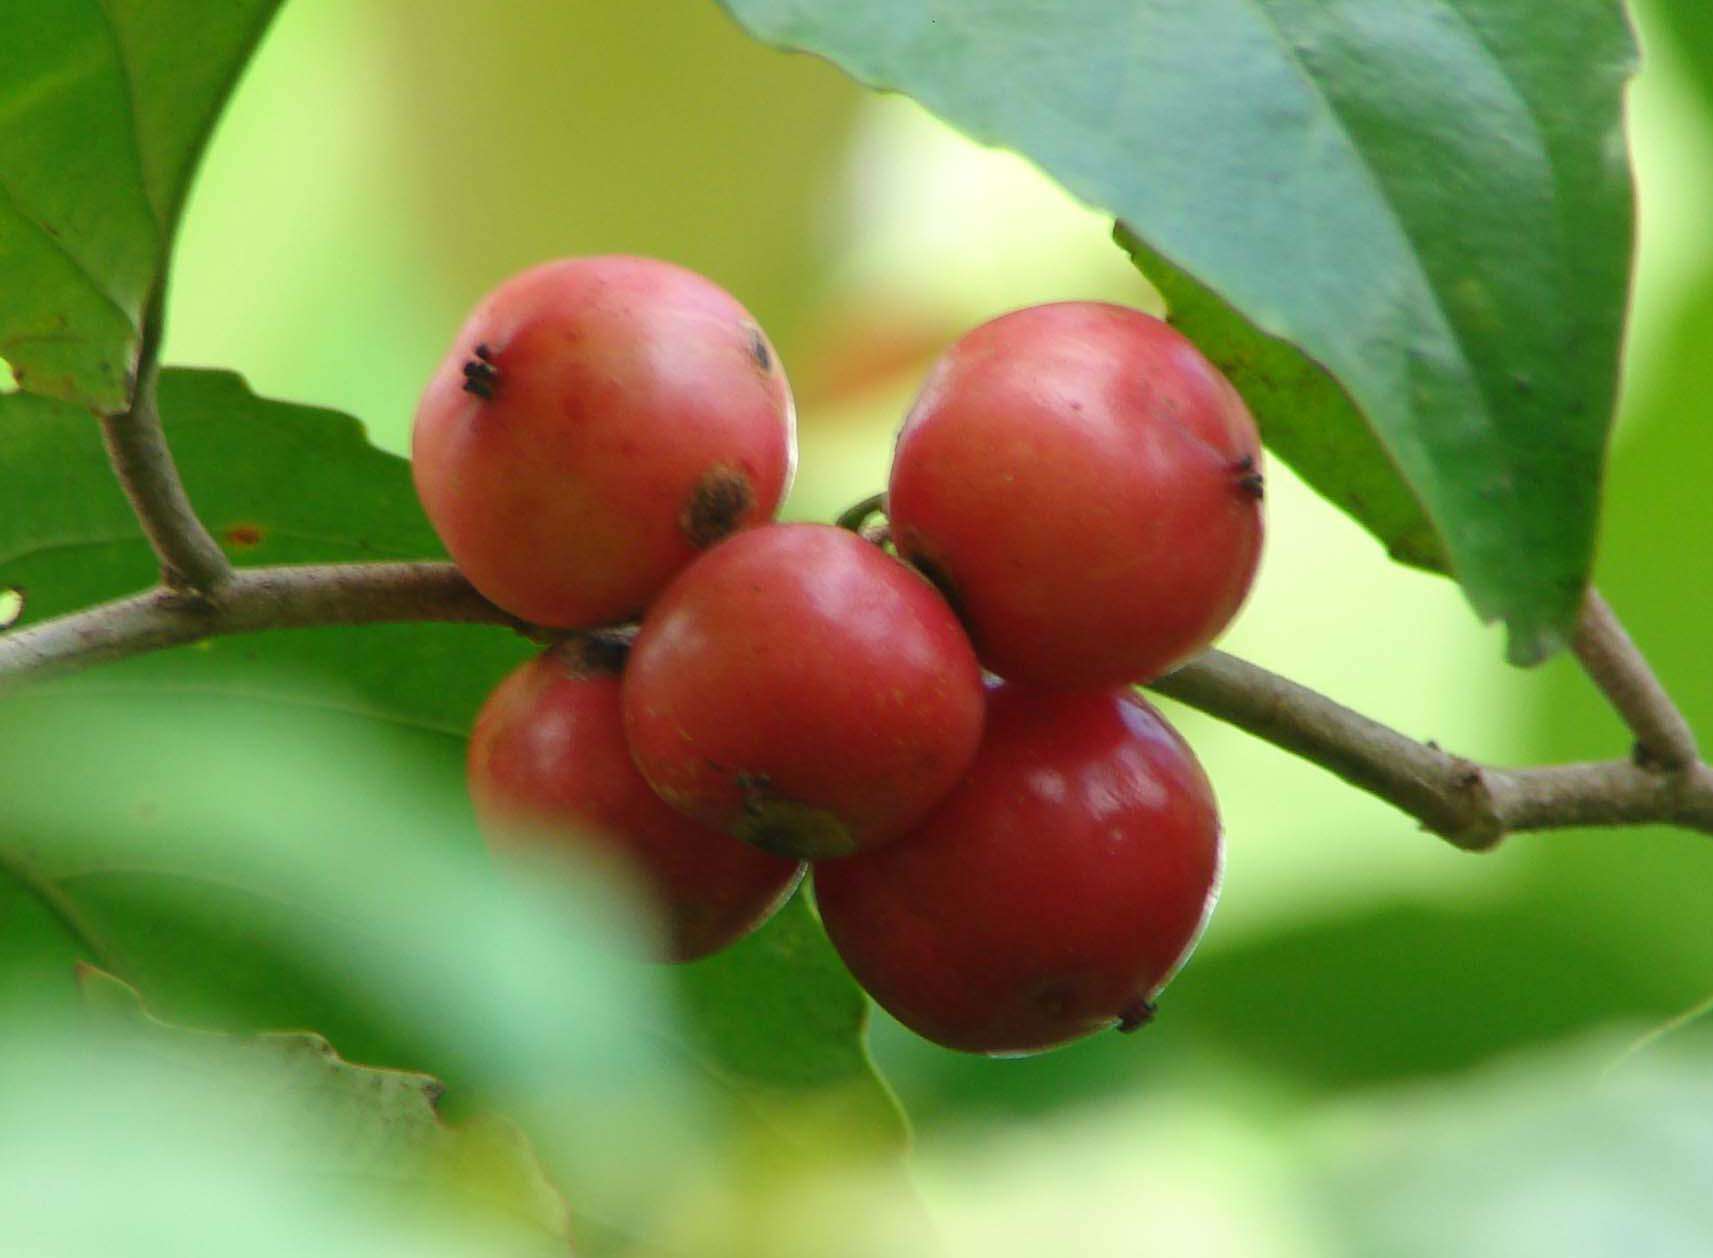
(481, 376)
(778, 824)
(759, 351)
(600, 653)
(1249, 478)
(716, 506)
(1136, 1015)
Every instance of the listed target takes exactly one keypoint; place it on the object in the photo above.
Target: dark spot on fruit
(758, 349)
(1136, 1015)
(1249, 480)
(481, 377)
(244, 536)
(716, 506)
(784, 827)
(11, 605)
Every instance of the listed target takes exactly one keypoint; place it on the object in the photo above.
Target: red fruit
(802, 689)
(548, 765)
(1086, 488)
(1052, 894)
(597, 423)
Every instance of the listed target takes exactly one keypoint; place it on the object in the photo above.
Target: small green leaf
(104, 109)
(1429, 198)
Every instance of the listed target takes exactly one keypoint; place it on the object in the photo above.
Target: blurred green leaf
(111, 1152)
(374, 1125)
(1308, 1011)
(1412, 990)
(1431, 199)
(252, 867)
(1697, 1019)
(1689, 24)
(1543, 1155)
(1546, 1153)
(104, 109)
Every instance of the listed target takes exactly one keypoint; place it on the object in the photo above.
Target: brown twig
(191, 560)
(1469, 804)
(249, 600)
(1663, 737)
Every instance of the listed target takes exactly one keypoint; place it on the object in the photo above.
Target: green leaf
(153, 1142)
(104, 108)
(374, 1125)
(1575, 1159)
(279, 483)
(1429, 198)
(778, 1016)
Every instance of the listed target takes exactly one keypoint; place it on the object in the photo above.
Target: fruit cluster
(1012, 849)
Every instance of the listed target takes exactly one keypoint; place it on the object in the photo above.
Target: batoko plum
(804, 690)
(1050, 895)
(1005, 865)
(1086, 489)
(548, 765)
(597, 423)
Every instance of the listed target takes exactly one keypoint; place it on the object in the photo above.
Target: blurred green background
(386, 161)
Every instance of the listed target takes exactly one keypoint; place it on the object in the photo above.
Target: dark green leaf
(104, 108)
(1429, 198)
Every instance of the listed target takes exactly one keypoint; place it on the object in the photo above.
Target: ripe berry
(1052, 894)
(1085, 487)
(802, 689)
(597, 423)
(548, 765)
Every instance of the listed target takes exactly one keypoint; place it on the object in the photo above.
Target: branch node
(179, 598)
